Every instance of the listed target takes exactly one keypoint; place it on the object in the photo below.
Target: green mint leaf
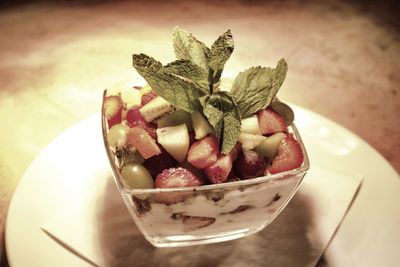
(188, 70)
(222, 113)
(181, 93)
(255, 88)
(186, 46)
(221, 51)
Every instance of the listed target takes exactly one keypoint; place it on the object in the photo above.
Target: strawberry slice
(146, 98)
(270, 122)
(143, 142)
(218, 171)
(160, 162)
(133, 115)
(113, 109)
(175, 177)
(288, 157)
(250, 164)
(203, 152)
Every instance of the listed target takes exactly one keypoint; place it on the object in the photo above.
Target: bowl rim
(248, 182)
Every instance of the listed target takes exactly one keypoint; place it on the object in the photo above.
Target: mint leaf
(222, 113)
(186, 46)
(256, 87)
(181, 93)
(221, 50)
(188, 70)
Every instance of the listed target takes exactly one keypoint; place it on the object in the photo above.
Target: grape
(136, 176)
(250, 164)
(117, 135)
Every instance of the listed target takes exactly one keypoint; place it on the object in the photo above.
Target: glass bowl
(207, 213)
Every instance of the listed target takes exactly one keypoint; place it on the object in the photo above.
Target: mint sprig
(189, 82)
(223, 115)
(211, 60)
(255, 88)
(179, 92)
(186, 46)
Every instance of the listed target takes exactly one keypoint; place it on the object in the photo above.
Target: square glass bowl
(208, 213)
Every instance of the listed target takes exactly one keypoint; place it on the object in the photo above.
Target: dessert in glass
(195, 162)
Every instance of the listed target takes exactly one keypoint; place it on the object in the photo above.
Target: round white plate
(369, 235)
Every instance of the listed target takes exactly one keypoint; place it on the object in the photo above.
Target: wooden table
(55, 60)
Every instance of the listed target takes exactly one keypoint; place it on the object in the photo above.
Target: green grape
(117, 135)
(136, 176)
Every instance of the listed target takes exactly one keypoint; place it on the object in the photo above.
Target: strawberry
(160, 162)
(143, 142)
(203, 152)
(288, 157)
(146, 98)
(218, 171)
(151, 128)
(250, 164)
(113, 109)
(175, 177)
(133, 115)
(270, 122)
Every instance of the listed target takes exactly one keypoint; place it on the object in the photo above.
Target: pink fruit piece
(288, 157)
(250, 164)
(270, 122)
(218, 171)
(133, 115)
(160, 162)
(113, 109)
(203, 152)
(173, 178)
(176, 177)
(150, 128)
(143, 142)
(146, 98)
(196, 172)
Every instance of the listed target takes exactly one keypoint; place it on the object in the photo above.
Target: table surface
(55, 60)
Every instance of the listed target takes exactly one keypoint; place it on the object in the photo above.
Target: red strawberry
(288, 157)
(218, 171)
(146, 98)
(270, 122)
(113, 109)
(172, 178)
(176, 177)
(133, 115)
(150, 128)
(160, 162)
(143, 142)
(203, 152)
(250, 164)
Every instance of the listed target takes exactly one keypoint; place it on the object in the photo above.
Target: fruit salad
(197, 162)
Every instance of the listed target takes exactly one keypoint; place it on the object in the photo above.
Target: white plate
(368, 236)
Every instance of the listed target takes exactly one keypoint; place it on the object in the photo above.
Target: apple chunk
(175, 140)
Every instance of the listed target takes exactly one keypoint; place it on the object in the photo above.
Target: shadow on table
(284, 242)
